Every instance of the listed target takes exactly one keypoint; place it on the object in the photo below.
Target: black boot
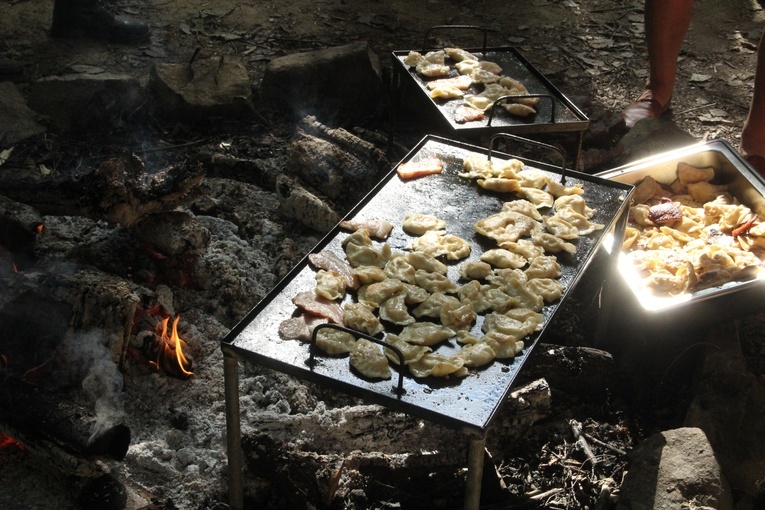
(91, 19)
(10, 70)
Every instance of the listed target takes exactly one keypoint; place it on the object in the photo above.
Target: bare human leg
(666, 24)
(753, 133)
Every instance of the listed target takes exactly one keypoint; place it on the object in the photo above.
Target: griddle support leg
(233, 431)
(474, 473)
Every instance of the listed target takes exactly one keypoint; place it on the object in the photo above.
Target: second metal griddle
(468, 403)
(555, 112)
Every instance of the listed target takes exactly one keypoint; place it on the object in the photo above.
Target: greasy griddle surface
(567, 116)
(467, 403)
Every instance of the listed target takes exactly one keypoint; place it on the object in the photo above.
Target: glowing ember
(7, 441)
(169, 355)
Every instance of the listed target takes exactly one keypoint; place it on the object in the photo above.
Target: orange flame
(172, 347)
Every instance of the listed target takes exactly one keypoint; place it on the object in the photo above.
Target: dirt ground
(593, 51)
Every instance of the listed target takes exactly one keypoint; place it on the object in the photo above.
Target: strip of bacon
(316, 305)
(420, 168)
(379, 229)
(329, 261)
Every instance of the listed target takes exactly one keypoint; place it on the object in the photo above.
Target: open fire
(167, 351)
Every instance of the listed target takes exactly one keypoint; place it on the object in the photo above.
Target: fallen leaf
(591, 61)
(699, 78)
(601, 42)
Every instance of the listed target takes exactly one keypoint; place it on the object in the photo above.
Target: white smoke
(103, 381)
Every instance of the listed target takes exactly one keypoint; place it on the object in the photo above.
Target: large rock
(729, 407)
(89, 102)
(674, 469)
(196, 91)
(344, 80)
(17, 120)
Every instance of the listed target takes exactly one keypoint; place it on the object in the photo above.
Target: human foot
(646, 106)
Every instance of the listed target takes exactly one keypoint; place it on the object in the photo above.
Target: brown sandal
(644, 107)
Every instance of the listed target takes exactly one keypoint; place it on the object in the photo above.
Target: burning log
(49, 416)
(119, 189)
(337, 163)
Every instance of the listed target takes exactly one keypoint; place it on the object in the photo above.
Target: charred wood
(70, 300)
(172, 234)
(299, 203)
(19, 227)
(26, 342)
(262, 173)
(50, 416)
(118, 189)
(337, 163)
(52, 453)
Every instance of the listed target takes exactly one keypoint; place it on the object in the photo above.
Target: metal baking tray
(466, 404)
(555, 112)
(743, 182)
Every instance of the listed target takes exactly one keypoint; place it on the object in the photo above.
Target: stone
(674, 469)
(339, 81)
(213, 87)
(729, 406)
(18, 121)
(92, 102)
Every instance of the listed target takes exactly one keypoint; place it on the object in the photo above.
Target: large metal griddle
(468, 403)
(555, 112)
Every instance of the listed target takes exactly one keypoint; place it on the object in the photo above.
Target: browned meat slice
(463, 114)
(379, 229)
(299, 328)
(311, 303)
(329, 261)
(420, 168)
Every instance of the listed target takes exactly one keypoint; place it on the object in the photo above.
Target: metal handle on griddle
(399, 389)
(457, 27)
(532, 142)
(512, 97)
